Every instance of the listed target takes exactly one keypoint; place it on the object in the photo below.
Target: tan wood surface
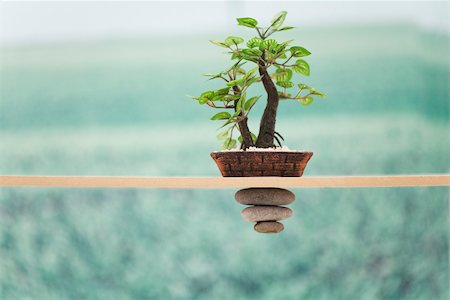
(229, 182)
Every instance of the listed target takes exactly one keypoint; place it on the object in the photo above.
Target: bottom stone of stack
(269, 227)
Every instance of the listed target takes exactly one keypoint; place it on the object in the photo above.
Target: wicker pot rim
(262, 151)
(289, 163)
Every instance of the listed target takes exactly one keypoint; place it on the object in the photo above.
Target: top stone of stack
(265, 196)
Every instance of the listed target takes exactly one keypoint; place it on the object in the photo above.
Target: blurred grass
(192, 244)
(118, 108)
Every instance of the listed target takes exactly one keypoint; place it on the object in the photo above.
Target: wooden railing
(225, 182)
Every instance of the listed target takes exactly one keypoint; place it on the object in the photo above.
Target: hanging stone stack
(266, 207)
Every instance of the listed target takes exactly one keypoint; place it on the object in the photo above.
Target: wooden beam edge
(224, 182)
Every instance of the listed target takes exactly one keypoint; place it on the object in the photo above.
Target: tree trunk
(247, 140)
(267, 127)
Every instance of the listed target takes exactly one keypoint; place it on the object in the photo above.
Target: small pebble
(269, 227)
(265, 213)
(265, 196)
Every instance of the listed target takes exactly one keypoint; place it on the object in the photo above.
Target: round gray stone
(269, 227)
(265, 213)
(264, 196)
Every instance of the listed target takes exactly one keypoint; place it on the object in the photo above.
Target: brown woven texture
(260, 163)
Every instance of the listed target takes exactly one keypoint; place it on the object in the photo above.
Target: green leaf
(303, 86)
(218, 98)
(250, 102)
(283, 74)
(235, 82)
(236, 66)
(219, 43)
(221, 116)
(232, 144)
(320, 94)
(247, 22)
(285, 84)
(233, 40)
(269, 56)
(306, 101)
(226, 123)
(232, 83)
(301, 67)
(298, 51)
(223, 91)
(268, 44)
(229, 98)
(279, 49)
(202, 100)
(286, 43)
(214, 76)
(250, 73)
(285, 28)
(237, 112)
(253, 80)
(229, 143)
(254, 42)
(252, 52)
(289, 74)
(279, 75)
(240, 102)
(250, 58)
(236, 55)
(222, 135)
(207, 94)
(240, 139)
(278, 19)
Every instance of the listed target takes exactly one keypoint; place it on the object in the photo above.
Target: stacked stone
(266, 209)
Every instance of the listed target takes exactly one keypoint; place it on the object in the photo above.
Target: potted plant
(260, 60)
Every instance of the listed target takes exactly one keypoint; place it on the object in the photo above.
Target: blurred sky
(30, 22)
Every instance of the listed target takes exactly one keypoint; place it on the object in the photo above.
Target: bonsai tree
(263, 60)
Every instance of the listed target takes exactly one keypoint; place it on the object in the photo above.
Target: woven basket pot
(261, 163)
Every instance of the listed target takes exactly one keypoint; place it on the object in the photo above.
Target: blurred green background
(118, 106)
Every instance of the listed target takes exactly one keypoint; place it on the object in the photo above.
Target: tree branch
(211, 104)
